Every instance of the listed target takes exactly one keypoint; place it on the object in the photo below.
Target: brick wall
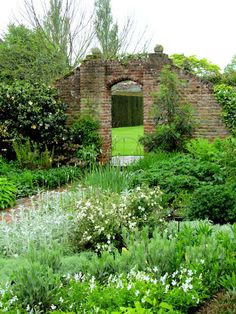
(88, 88)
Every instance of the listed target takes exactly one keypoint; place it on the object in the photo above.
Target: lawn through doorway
(125, 141)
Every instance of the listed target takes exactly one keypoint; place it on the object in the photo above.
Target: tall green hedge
(127, 110)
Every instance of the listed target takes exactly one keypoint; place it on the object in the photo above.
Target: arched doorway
(127, 118)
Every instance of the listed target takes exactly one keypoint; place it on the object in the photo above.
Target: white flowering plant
(147, 290)
(101, 215)
(121, 284)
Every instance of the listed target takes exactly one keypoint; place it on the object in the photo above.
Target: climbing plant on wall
(226, 97)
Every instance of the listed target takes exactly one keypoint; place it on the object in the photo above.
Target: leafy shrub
(226, 97)
(170, 136)
(173, 119)
(214, 202)
(88, 155)
(31, 182)
(83, 143)
(30, 111)
(84, 132)
(174, 271)
(176, 174)
(37, 282)
(228, 157)
(102, 214)
(201, 148)
(48, 221)
(221, 152)
(32, 158)
(7, 193)
(5, 167)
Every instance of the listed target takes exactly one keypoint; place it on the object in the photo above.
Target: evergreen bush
(174, 123)
(30, 111)
(214, 202)
(226, 97)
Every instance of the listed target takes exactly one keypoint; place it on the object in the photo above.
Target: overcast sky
(205, 28)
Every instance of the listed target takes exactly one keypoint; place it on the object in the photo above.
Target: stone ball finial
(96, 51)
(158, 49)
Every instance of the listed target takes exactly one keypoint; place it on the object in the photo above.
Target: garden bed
(111, 243)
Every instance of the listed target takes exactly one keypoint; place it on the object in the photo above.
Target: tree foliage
(64, 25)
(174, 123)
(226, 96)
(229, 76)
(30, 111)
(112, 38)
(200, 67)
(106, 30)
(24, 55)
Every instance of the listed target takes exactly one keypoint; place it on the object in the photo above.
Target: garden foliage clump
(30, 111)
(33, 127)
(199, 184)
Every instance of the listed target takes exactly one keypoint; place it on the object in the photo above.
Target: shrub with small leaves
(84, 132)
(37, 282)
(214, 202)
(101, 215)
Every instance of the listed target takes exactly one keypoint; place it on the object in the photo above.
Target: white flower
(174, 273)
(184, 287)
(155, 269)
(61, 300)
(148, 292)
(129, 286)
(174, 282)
(190, 273)
(163, 278)
(137, 293)
(92, 283)
(12, 300)
(167, 288)
(53, 307)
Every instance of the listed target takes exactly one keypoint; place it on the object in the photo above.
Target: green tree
(174, 123)
(64, 25)
(229, 75)
(25, 56)
(106, 30)
(57, 30)
(112, 39)
(226, 97)
(199, 67)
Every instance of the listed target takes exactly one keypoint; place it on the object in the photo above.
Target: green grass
(125, 141)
